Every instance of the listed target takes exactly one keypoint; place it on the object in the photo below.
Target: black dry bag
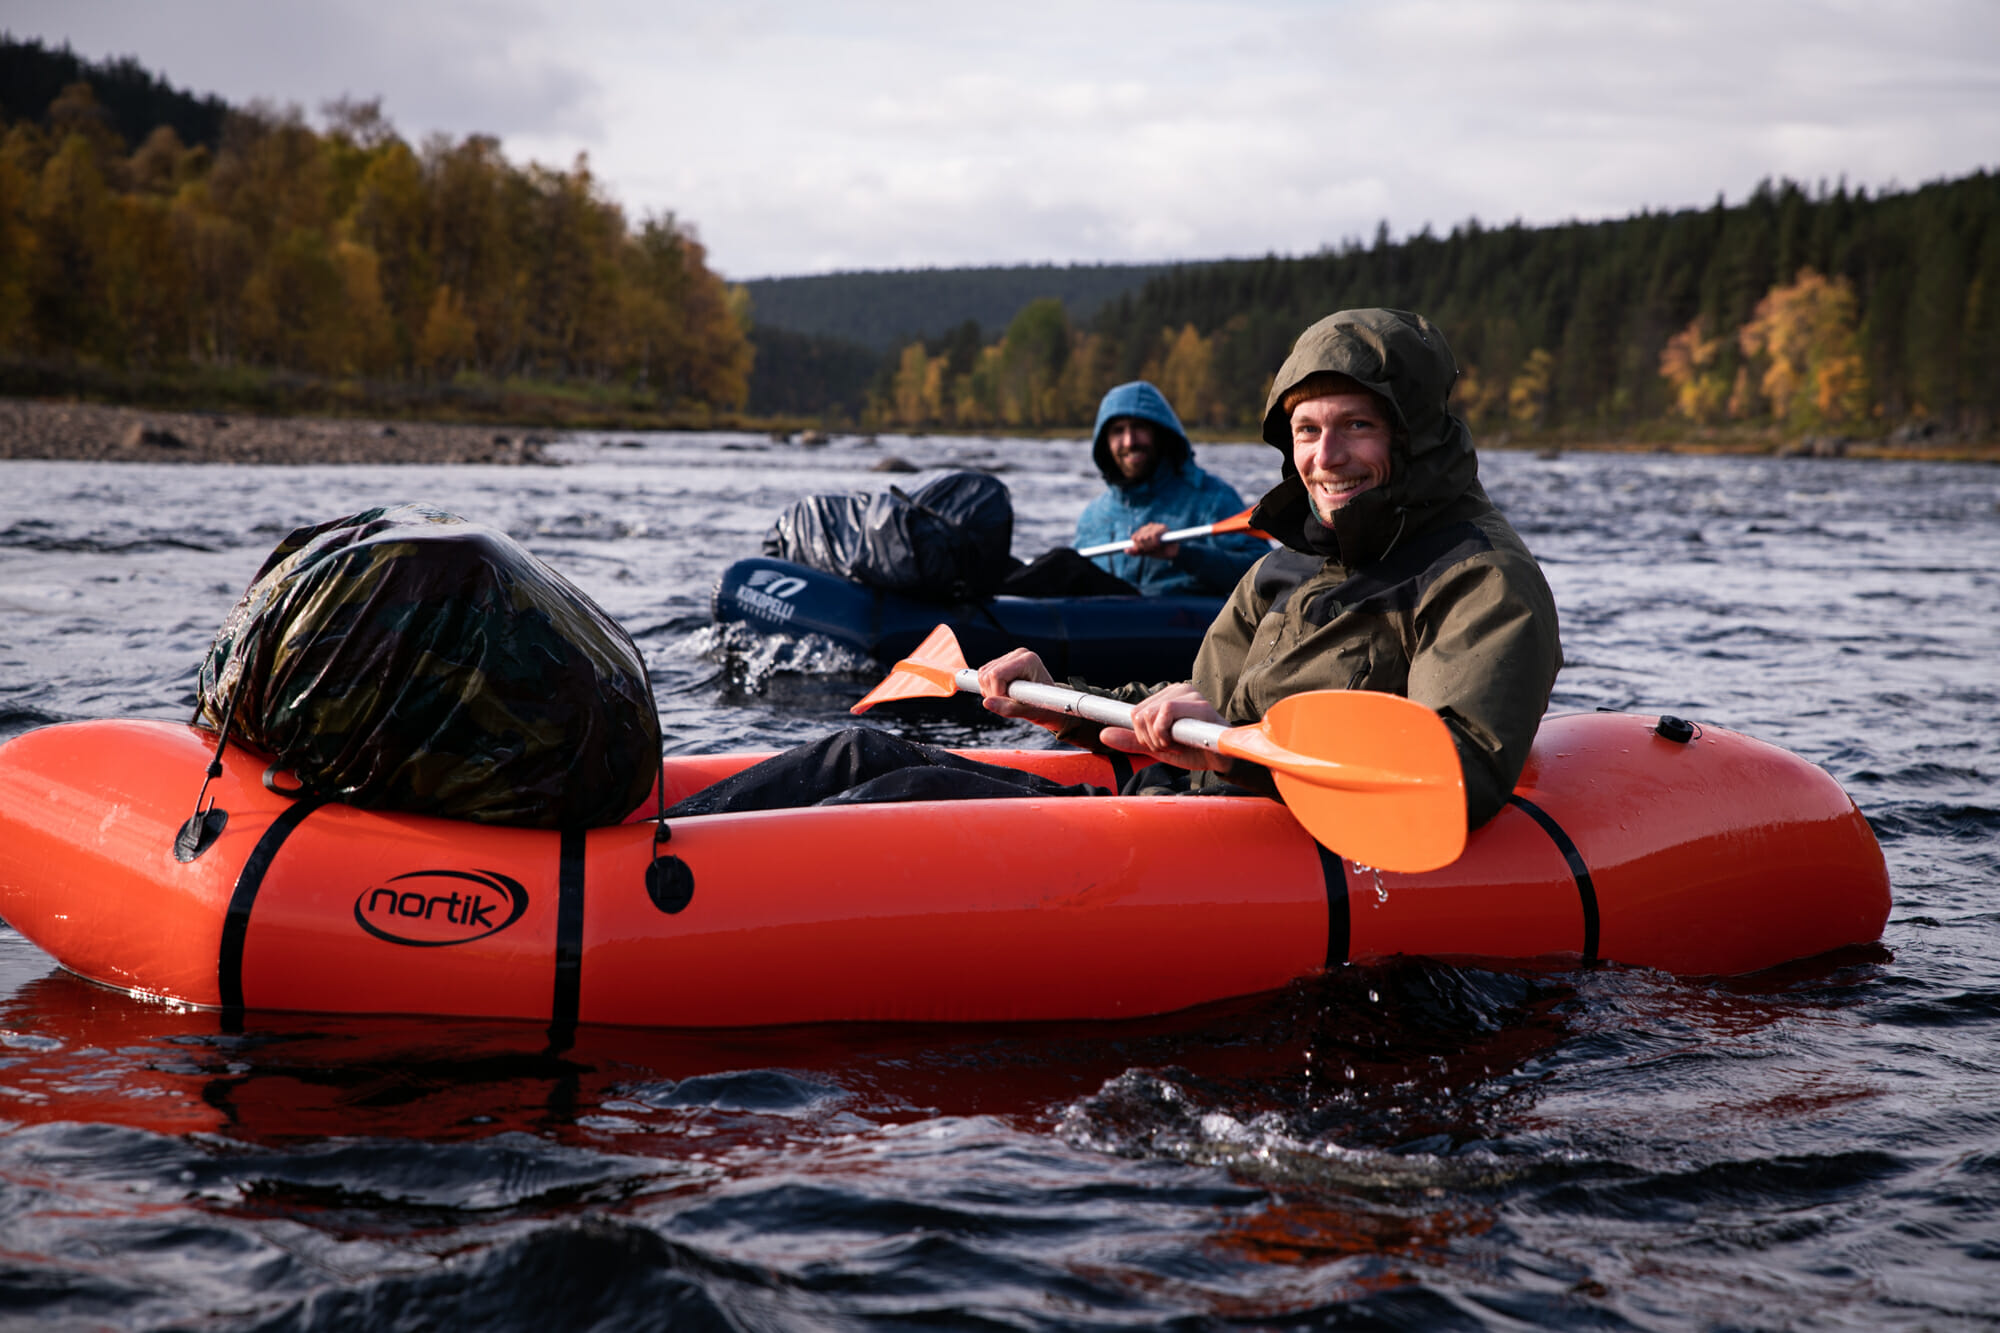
(405, 659)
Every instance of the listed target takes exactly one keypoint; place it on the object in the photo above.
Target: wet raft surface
(1414, 1145)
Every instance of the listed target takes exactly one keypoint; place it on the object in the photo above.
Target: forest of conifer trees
(1795, 312)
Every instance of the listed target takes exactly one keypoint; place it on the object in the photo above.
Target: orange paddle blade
(1395, 796)
(926, 673)
(1237, 523)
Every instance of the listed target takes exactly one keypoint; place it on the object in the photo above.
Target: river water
(1414, 1145)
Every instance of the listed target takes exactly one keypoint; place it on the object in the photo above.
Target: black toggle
(204, 826)
(199, 833)
(670, 884)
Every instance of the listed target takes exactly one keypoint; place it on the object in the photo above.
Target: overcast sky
(802, 136)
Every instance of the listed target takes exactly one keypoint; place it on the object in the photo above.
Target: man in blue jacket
(1154, 488)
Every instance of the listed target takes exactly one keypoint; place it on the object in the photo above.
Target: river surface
(1414, 1146)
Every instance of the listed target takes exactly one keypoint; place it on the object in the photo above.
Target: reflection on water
(1418, 1144)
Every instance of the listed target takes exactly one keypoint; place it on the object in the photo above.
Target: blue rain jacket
(1178, 494)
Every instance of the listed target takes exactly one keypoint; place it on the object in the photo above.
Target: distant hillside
(134, 99)
(884, 310)
(806, 375)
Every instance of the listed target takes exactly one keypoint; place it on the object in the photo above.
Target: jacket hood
(1138, 399)
(1405, 359)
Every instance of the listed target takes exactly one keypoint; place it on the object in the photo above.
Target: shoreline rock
(94, 432)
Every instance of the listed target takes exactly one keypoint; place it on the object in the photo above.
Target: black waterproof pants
(859, 765)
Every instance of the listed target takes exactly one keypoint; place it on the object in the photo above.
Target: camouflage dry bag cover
(405, 659)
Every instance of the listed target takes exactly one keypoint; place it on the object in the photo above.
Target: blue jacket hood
(1138, 399)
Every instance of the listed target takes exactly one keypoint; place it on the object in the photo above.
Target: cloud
(804, 136)
(439, 66)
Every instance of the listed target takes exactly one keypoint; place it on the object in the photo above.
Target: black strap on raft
(1339, 919)
(1586, 892)
(563, 1007)
(242, 898)
(669, 883)
(205, 825)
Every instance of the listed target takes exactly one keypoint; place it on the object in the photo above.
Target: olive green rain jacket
(1420, 587)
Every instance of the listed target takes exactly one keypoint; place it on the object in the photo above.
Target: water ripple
(1415, 1144)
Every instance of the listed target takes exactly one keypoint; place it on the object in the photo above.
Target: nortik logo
(406, 910)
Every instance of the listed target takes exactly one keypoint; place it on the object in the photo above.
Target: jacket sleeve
(1108, 519)
(1485, 656)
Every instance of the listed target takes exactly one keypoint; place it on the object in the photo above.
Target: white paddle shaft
(1095, 708)
(1178, 535)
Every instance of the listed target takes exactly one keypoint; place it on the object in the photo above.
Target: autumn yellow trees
(345, 252)
(1800, 365)
(1806, 340)
(1692, 363)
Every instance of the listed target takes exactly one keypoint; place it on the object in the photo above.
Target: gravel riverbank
(97, 433)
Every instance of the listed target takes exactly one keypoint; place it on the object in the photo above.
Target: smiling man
(1153, 487)
(1395, 572)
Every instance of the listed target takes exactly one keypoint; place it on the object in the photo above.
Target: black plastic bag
(946, 541)
(405, 659)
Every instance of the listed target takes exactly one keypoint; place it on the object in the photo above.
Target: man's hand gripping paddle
(1234, 523)
(1374, 777)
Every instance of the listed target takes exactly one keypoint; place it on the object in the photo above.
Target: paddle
(1234, 523)
(1374, 777)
